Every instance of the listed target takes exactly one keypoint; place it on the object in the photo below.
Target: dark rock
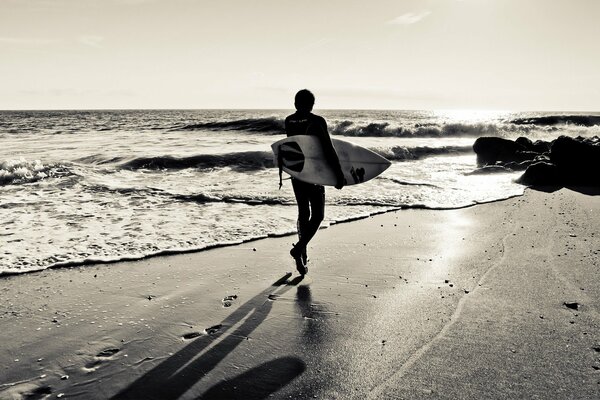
(525, 142)
(541, 174)
(519, 166)
(565, 161)
(571, 162)
(539, 146)
(489, 150)
(521, 156)
(578, 159)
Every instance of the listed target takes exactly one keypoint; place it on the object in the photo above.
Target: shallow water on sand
(78, 186)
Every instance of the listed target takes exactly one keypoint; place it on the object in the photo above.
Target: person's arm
(330, 153)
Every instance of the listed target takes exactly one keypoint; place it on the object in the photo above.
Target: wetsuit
(311, 198)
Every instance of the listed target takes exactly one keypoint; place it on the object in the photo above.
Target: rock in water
(541, 174)
(492, 149)
(577, 159)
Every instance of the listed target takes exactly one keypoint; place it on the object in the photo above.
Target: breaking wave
(256, 160)
(265, 125)
(22, 171)
(552, 120)
(402, 153)
(385, 129)
(245, 161)
(274, 125)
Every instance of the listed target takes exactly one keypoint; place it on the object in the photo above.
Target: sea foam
(22, 171)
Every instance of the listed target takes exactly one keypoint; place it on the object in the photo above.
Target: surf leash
(280, 162)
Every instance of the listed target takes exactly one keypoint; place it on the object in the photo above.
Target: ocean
(96, 186)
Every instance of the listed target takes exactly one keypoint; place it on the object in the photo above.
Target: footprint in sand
(228, 300)
(27, 391)
(92, 365)
(213, 329)
(191, 335)
(108, 353)
(208, 331)
(100, 358)
(573, 305)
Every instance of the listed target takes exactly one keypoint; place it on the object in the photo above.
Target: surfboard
(302, 157)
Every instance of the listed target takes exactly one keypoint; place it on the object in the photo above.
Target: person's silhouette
(310, 198)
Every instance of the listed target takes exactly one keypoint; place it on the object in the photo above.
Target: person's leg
(302, 193)
(317, 213)
(316, 198)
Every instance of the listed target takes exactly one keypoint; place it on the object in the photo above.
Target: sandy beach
(499, 300)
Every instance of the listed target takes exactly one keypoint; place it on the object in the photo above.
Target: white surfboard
(302, 157)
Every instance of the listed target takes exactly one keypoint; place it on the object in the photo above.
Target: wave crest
(385, 129)
(401, 153)
(265, 125)
(552, 120)
(257, 160)
(273, 125)
(245, 161)
(23, 171)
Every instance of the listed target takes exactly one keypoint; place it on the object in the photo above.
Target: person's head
(304, 100)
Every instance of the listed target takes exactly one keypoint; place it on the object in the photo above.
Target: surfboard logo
(358, 174)
(292, 156)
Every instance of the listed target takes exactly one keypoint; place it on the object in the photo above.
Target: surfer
(310, 198)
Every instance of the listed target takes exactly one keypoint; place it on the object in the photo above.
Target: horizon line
(291, 109)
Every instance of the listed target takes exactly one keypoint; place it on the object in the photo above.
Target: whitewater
(94, 186)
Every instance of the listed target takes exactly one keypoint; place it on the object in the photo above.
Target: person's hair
(304, 100)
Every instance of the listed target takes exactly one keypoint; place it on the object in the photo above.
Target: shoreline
(171, 252)
(467, 303)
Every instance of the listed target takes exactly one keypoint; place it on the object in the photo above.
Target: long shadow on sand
(259, 382)
(177, 374)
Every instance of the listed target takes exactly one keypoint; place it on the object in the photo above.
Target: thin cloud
(91, 40)
(409, 18)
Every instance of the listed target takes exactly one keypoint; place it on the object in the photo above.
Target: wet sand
(500, 300)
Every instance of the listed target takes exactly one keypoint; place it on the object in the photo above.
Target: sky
(399, 54)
